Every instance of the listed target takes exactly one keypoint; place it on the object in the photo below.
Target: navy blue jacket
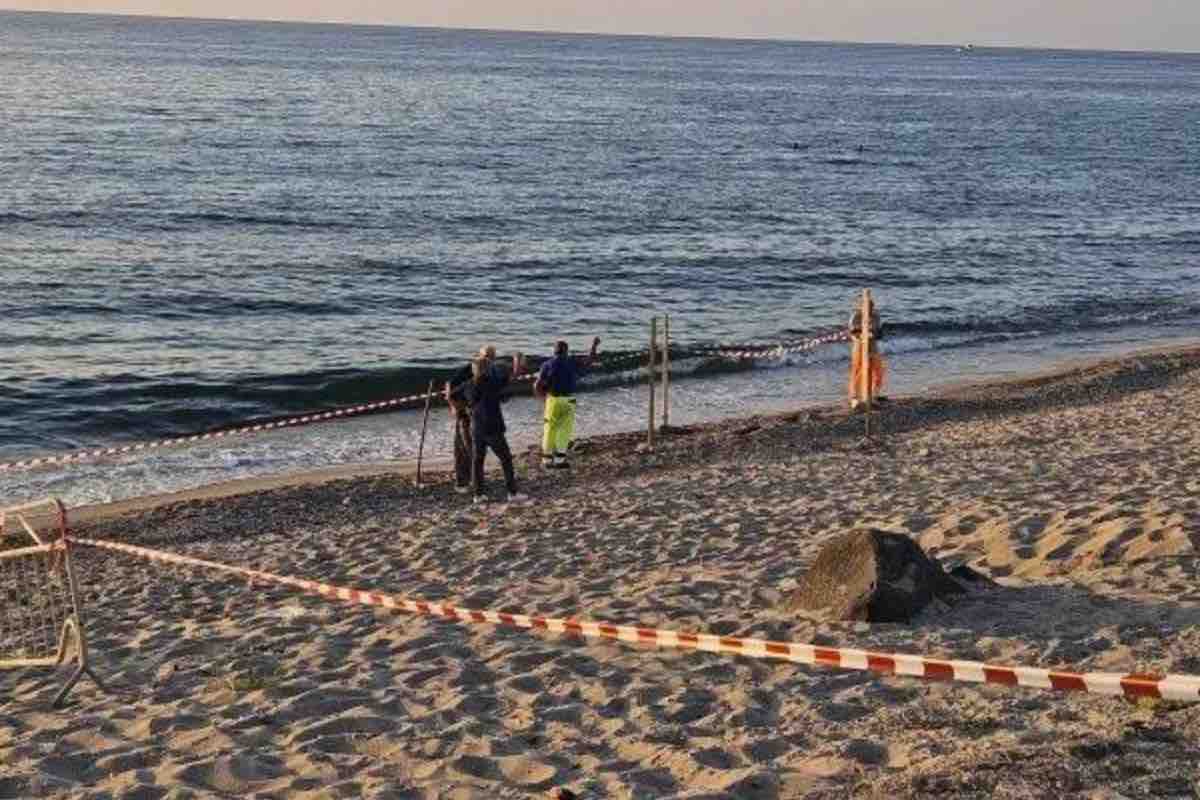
(485, 398)
(559, 376)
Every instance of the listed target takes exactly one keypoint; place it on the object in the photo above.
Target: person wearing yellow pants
(558, 430)
(557, 381)
(875, 366)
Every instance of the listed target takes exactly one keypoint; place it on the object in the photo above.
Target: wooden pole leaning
(651, 382)
(864, 360)
(666, 372)
(424, 426)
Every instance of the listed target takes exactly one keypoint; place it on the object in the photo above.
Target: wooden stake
(666, 375)
(424, 425)
(653, 343)
(864, 343)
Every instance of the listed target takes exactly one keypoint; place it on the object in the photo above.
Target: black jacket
(484, 397)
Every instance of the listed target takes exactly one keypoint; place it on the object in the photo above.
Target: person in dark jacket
(460, 421)
(484, 393)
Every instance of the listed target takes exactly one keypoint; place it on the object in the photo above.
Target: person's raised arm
(590, 358)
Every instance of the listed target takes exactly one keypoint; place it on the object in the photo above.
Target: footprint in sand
(528, 773)
(237, 774)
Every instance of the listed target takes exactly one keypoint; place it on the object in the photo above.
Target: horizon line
(588, 33)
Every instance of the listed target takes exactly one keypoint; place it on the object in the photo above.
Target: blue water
(203, 222)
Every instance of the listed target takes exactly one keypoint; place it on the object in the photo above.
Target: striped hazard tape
(243, 430)
(776, 351)
(307, 419)
(30, 550)
(1182, 688)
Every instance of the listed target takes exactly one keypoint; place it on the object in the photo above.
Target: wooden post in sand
(653, 345)
(424, 425)
(666, 371)
(864, 359)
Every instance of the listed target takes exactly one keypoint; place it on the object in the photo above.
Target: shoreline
(392, 439)
(439, 470)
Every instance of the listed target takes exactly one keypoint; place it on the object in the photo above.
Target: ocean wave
(62, 218)
(1081, 313)
(233, 218)
(128, 406)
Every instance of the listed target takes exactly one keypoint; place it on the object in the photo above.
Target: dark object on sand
(873, 576)
(967, 576)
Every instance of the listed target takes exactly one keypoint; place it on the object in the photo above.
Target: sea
(204, 223)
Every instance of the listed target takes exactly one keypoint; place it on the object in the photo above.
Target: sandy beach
(1077, 491)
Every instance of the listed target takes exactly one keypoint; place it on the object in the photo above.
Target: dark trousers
(463, 450)
(499, 445)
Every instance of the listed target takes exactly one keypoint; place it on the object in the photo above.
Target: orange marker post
(864, 359)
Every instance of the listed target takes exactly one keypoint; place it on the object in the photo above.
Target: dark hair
(560, 348)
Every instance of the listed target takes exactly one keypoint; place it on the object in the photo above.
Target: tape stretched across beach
(395, 403)
(293, 422)
(773, 351)
(307, 419)
(1183, 688)
(32, 549)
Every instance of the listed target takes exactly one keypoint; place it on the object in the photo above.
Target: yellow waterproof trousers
(559, 428)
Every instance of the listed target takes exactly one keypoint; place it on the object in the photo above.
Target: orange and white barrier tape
(307, 419)
(365, 408)
(777, 351)
(292, 422)
(1182, 688)
(32, 549)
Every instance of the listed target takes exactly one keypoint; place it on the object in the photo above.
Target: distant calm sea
(203, 222)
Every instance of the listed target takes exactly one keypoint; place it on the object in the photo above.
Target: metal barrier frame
(73, 627)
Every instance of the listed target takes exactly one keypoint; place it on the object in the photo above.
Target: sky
(1084, 24)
